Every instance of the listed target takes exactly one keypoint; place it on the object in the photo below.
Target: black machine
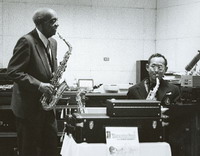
(190, 95)
(133, 108)
(4, 79)
(90, 128)
(99, 99)
(7, 121)
(6, 85)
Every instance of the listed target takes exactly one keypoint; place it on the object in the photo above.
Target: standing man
(31, 68)
(156, 67)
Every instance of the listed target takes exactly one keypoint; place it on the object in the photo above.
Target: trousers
(37, 137)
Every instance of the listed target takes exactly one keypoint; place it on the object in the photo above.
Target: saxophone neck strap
(149, 85)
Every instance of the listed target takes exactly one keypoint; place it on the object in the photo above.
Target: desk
(93, 99)
(71, 148)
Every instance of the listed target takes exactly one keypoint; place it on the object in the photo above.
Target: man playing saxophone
(154, 87)
(31, 67)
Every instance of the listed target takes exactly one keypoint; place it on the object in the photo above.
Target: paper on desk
(69, 146)
(122, 141)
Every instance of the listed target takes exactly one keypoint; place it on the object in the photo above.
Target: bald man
(31, 68)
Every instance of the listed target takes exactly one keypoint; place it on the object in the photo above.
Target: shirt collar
(43, 38)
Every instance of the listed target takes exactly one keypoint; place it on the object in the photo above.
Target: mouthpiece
(157, 80)
(60, 36)
(67, 43)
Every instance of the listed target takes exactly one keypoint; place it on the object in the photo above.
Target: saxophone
(48, 103)
(152, 93)
(80, 99)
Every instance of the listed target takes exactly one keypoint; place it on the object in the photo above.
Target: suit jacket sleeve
(17, 67)
(176, 94)
(137, 92)
(132, 94)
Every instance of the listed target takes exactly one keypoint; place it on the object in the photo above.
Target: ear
(147, 67)
(166, 68)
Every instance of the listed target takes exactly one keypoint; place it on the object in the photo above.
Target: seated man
(154, 87)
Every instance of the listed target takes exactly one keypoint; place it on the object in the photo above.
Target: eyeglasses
(159, 67)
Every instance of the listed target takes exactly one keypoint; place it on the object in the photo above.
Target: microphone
(193, 62)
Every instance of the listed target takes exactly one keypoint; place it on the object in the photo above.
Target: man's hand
(46, 88)
(164, 116)
(163, 110)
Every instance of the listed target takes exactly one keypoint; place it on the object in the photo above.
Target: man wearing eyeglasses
(31, 67)
(156, 67)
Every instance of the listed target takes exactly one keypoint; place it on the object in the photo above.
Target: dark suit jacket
(138, 91)
(28, 67)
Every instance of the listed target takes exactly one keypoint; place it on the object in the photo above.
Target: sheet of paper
(122, 141)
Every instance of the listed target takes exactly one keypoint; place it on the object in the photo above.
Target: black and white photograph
(69, 69)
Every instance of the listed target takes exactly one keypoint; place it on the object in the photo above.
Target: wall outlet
(106, 59)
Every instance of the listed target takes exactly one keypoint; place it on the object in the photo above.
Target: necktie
(48, 51)
(151, 86)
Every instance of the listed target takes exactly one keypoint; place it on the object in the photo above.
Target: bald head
(46, 21)
(43, 14)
